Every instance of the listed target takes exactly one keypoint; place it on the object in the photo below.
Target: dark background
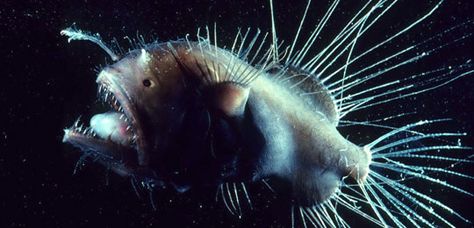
(46, 83)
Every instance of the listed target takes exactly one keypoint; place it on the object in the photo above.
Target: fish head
(143, 91)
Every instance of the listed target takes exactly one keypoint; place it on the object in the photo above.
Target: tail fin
(409, 174)
(404, 171)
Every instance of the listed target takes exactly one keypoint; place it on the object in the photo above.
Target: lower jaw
(103, 150)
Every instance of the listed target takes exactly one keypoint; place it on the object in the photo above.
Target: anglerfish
(187, 113)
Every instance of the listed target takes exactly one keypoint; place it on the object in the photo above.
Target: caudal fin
(410, 174)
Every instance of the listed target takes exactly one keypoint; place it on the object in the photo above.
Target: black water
(46, 83)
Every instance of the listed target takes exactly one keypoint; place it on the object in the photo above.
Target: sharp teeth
(111, 98)
(128, 128)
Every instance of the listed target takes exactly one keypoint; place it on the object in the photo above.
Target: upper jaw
(111, 92)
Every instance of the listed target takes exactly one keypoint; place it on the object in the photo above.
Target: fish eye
(148, 83)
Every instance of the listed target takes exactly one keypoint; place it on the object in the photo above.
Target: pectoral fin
(228, 97)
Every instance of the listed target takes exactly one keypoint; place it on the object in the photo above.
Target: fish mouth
(106, 149)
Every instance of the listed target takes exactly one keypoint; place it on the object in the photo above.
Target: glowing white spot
(144, 58)
(110, 126)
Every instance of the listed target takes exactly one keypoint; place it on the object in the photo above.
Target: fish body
(190, 114)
